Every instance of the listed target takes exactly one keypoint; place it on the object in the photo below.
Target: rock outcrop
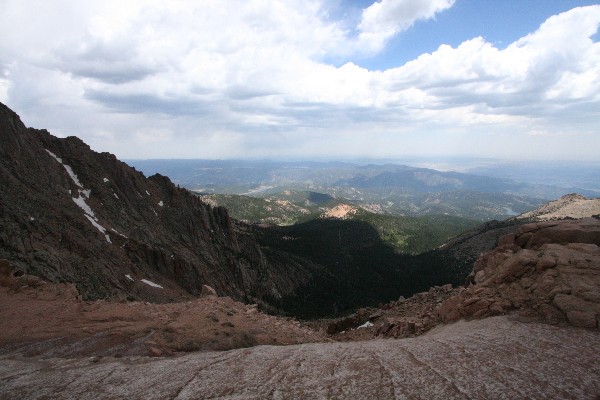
(546, 270)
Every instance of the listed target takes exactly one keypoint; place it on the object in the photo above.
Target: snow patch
(72, 175)
(54, 156)
(119, 233)
(129, 277)
(160, 203)
(365, 325)
(67, 167)
(80, 201)
(31, 219)
(147, 193)
(99, 227)
(114, 194)
(105, 180)
(150, 283)
(83, 194)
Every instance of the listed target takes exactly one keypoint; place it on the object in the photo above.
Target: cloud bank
(219, 79)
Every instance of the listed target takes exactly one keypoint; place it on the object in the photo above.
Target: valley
(104, 271)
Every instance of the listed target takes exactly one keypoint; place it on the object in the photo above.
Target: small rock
(155, 352)
(208, 291)
(480, 276)
(583, 319)
(375, 315)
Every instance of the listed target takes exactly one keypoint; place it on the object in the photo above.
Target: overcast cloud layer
(254, 78)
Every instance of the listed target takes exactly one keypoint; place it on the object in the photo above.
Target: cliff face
(69, 214)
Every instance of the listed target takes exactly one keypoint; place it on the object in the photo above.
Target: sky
(311, 79)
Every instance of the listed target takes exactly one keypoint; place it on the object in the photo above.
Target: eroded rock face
(550, 270)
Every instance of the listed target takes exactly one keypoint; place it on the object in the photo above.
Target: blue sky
(500, 22)
(510, 79)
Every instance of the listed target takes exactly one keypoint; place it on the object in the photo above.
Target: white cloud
(250, 78)
(385, 18)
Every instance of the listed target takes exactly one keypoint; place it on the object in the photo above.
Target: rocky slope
(534, 333)
(459, 254)
(69, 214)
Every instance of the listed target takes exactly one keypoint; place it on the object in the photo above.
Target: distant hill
(406, 234)
(571, 206)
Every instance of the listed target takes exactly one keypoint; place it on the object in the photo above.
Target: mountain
(77, 225)
(285, 208)
(69, 214)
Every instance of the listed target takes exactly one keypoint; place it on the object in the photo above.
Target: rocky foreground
(495, 358)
